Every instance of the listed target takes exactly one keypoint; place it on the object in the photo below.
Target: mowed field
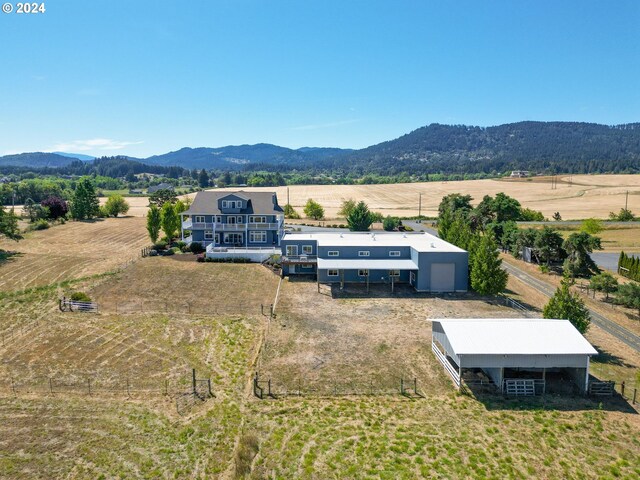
(72, 250)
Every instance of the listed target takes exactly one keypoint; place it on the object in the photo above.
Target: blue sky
(146, 77)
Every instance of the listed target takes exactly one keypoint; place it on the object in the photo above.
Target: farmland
(110, 409)
(72, 250)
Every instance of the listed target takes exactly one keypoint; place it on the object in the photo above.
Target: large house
(243, 224)
(421, 260)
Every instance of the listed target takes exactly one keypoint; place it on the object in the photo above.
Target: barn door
(443, 277)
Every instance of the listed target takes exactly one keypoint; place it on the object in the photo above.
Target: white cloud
(317, 126)
(93, 144)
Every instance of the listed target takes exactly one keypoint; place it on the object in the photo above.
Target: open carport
(516, 354)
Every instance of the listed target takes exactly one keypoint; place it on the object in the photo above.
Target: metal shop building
(517, 354)
(421, 260)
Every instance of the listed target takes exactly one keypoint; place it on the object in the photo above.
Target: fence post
(622, 389)
(50, 385)
(128, 388)
(269, 384)
(13, 386)
(401, 386)
(635, 391)
(89, 385)
(193, 380)
(415, 385)
(209, 385)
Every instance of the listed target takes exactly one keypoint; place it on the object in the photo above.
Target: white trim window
(218, 218)
(257, 219)
(208, 234)
(363, 272)
(216, 238)
(394, 273)
(364, 253)
(258, 237)
(234, 238)
(225, 204)
(333, 253)
(292, 250)
(333, 273)
(307, 249)
(199, 219)
(240, 219)
(394, 253)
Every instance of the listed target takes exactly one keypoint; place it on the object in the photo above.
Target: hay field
(72, 250)
(586, 196)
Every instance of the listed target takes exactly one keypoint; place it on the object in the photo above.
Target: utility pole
(626, 200)
(419, 206)
(288, 203)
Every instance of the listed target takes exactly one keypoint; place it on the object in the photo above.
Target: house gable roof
(260, 203)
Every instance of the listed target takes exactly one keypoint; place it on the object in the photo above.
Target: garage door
(443, 277)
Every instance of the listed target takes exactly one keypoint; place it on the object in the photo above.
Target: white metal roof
(514, 336)
(365, 263)
(420, 241)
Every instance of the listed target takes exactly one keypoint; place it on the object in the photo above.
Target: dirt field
(73, 250)
(322, 344)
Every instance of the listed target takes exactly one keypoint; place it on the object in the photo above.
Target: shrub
(80, 297)
(180, 244)
(161, 245)
(196, 248)
(544, 268)
(168, 252)
(176, 250)
(200, 258)
(153, 253)
(41, 224)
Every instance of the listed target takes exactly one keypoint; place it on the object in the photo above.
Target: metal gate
(519, 387)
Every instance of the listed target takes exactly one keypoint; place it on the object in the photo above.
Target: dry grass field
(576, 197)
(322, 344)
(72, 250)
(160, 317)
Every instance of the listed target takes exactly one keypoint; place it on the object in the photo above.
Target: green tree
(170, 220)
(568, 306)
(592, 226)
(34, 210)
(203, 179)
(116, 205)
(529, 215)
(314, 210)
(84, 203)
(506, 208)
(578, 247)
(557, 217)
(161, 197)
(347, 207)
(290, 212)
(9, 225)
(181, 206)
(390, 223)
(548, 245)
(455, 202)
(629, 295)
(625, 215)
(360, 218)
(604, 282)
(154, 222)
(487, 275)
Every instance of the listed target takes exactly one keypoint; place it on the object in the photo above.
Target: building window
(216, 238)
(257, 219)
(258, 237)
(333, 253)
(218, 218)
(240, 219)
(363, 253)
(307, 249)
(363, 273)
(292, 250)
(394, 273)
(199, 218)
(307, 265)
(208, 235)
(332, 273)
(233, 238)
(412, 278)
(394, 253)
(224, 204)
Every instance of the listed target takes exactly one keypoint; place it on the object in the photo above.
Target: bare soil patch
(369, 342)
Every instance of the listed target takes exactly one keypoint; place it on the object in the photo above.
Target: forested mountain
(561, 147)
(35, 160)
(536, 146)
(235, 157)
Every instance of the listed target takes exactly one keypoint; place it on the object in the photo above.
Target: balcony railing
(229, 227)
(299, 259)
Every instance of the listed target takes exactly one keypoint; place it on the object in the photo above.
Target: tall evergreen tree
(203, 179)
(154, 221)
(569, 306)
(578, 247)
(487, 275)
(360, 218)
(85, 202)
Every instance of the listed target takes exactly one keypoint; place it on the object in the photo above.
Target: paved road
(621, 333)
(608, 260)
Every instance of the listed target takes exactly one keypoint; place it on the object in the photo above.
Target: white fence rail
(453, 373)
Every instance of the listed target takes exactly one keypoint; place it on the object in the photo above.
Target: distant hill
(236, 157)
(35, 160)
(79, 156)
(536, 146)
(448, 149)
